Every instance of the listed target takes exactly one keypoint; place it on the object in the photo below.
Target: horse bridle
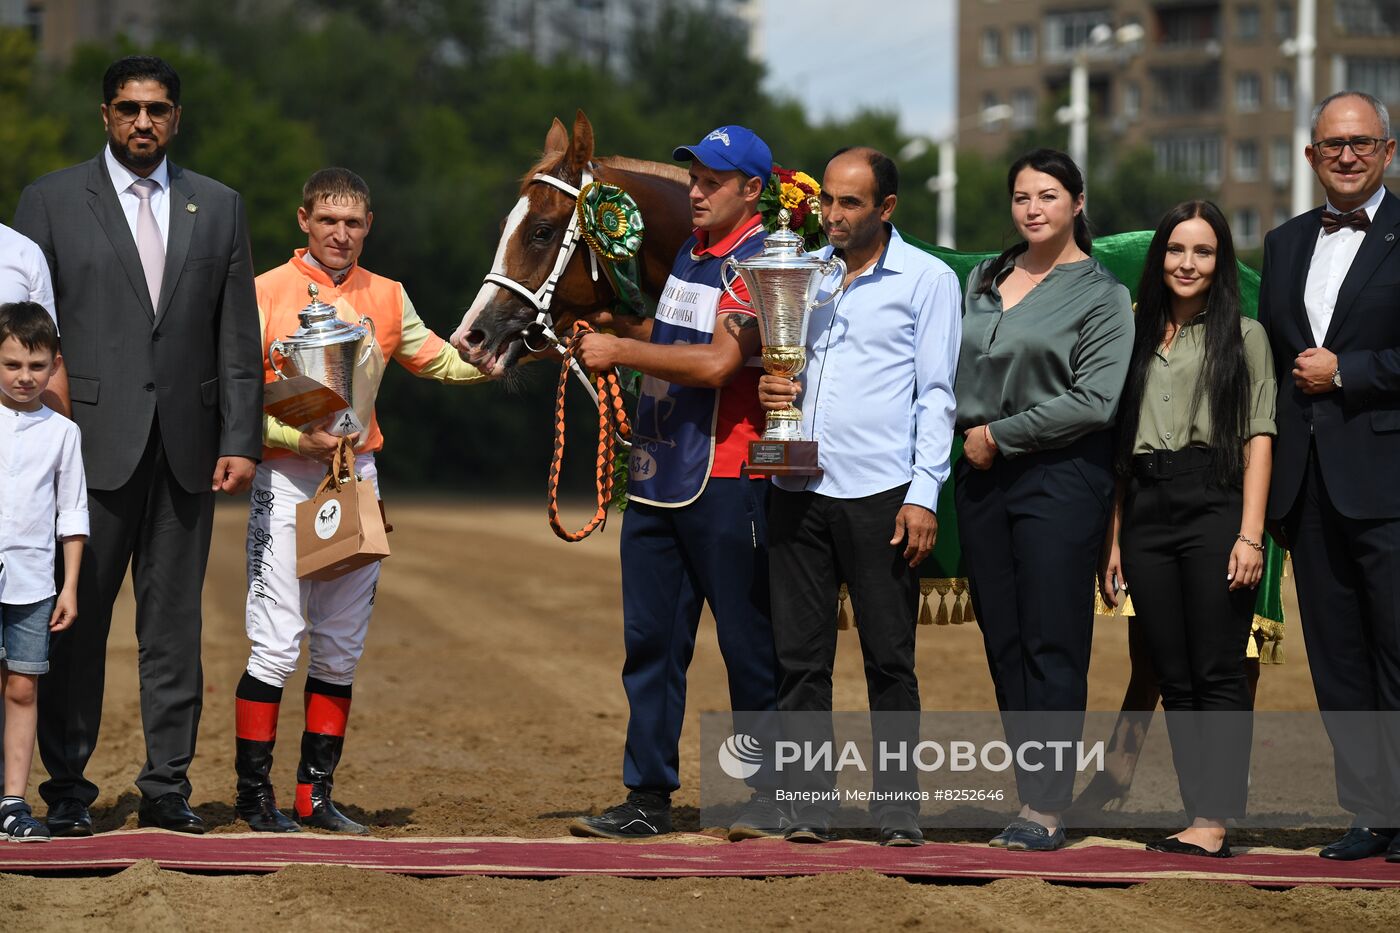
(541, 298)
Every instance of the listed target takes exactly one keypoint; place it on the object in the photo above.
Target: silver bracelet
(1252, 543)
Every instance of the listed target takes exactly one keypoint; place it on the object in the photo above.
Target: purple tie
(148, 242)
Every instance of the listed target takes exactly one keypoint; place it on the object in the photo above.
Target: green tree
(442, 120)
(31, 141)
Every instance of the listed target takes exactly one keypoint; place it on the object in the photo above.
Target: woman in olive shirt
(1046, 336)
(1194, 454)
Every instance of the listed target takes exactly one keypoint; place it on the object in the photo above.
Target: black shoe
(1177, 847)
(172, 812)
(69, 817)
(1000, 840)
(1392, 854)
(1030, 836)
(761, 818)
(641, 816)
(812, 824)
(324, 815)
(900, 828)
(17, 824)
(262, 816)
(1359, 842)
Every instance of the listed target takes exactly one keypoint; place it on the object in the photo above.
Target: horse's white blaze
(488, 291)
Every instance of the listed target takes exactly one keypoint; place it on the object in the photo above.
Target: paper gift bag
(341, 527)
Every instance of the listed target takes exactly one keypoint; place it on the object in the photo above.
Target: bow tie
(1358, 219)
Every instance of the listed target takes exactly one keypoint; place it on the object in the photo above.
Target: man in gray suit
(153, 283)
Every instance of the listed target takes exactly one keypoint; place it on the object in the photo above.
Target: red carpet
(691, 856)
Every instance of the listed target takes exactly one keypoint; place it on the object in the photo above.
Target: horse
(540, 281)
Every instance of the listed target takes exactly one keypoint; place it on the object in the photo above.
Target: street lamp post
(1303, 47)
(1101, 38)
(947, 178)
(945, 183)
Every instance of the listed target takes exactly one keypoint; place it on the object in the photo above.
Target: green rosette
(611, 222)
(943, 579)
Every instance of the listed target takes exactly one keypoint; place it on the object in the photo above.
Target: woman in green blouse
(1195, 448)
(1046, 336)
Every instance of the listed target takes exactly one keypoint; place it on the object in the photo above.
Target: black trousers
(1348, 579)
(674, 561)
(814, 543)
(163, 532)
(1177, 534)
(1031, 530)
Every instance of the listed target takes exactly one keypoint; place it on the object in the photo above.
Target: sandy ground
(489, 702)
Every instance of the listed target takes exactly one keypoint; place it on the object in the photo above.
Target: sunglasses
(158, 110)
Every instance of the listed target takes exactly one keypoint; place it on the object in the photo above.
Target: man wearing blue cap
(695, 529)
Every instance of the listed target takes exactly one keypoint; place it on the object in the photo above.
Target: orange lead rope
(612, 424)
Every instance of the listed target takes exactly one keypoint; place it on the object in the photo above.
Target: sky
(901, 56)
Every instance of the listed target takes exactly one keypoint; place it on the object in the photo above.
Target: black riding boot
(320, 754)
(256, 802)
(257, 705)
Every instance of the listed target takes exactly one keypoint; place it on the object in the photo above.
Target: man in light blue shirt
(877, 395)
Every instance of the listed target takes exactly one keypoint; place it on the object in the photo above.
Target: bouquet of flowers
(790, 200)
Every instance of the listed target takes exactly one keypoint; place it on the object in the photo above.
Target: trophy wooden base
(783, 458)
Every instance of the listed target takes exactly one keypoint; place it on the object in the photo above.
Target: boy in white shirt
(43, 496)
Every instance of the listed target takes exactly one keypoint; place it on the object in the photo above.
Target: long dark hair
(1224, 381)
(1055, 163)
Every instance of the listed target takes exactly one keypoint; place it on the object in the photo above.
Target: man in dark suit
(153, 282)
(1330, 300)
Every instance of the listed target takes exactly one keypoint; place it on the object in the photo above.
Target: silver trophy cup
(783, 283)
(328, 350)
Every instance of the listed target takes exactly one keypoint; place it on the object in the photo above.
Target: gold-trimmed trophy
(783, 281)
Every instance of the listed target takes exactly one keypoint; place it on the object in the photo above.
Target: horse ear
(556, 141)
(581, 151)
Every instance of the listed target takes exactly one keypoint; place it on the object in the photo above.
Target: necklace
(1035, 281)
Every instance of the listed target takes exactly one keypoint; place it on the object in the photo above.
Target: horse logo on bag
(328, 520)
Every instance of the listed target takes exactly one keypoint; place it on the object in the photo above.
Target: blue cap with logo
(729, 148)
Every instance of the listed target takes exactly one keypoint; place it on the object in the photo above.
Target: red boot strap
(303, 802)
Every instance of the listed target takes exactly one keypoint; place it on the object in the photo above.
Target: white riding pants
(281, 609)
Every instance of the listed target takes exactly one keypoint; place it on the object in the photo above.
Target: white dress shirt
(1331, 260)
(43, 496)
(877, 393)
(122, 180)
(24, 272)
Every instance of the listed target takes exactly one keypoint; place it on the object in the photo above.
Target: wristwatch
(1337, 378)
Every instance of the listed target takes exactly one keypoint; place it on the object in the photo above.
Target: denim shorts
(24, 636)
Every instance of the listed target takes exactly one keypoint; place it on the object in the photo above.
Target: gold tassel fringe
(925, 613)
(1102, 608)
(1270, 635)
(843, 615)
(943, 587)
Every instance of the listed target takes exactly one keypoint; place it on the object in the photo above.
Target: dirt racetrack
(489, 703)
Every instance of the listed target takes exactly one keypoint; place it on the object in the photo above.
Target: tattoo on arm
(736, 324)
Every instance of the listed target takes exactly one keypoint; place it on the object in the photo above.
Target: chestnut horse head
(543, 273)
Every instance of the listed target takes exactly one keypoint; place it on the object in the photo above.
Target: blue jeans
(24, 636)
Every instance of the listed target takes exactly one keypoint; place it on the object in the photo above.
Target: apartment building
(1209, 87)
